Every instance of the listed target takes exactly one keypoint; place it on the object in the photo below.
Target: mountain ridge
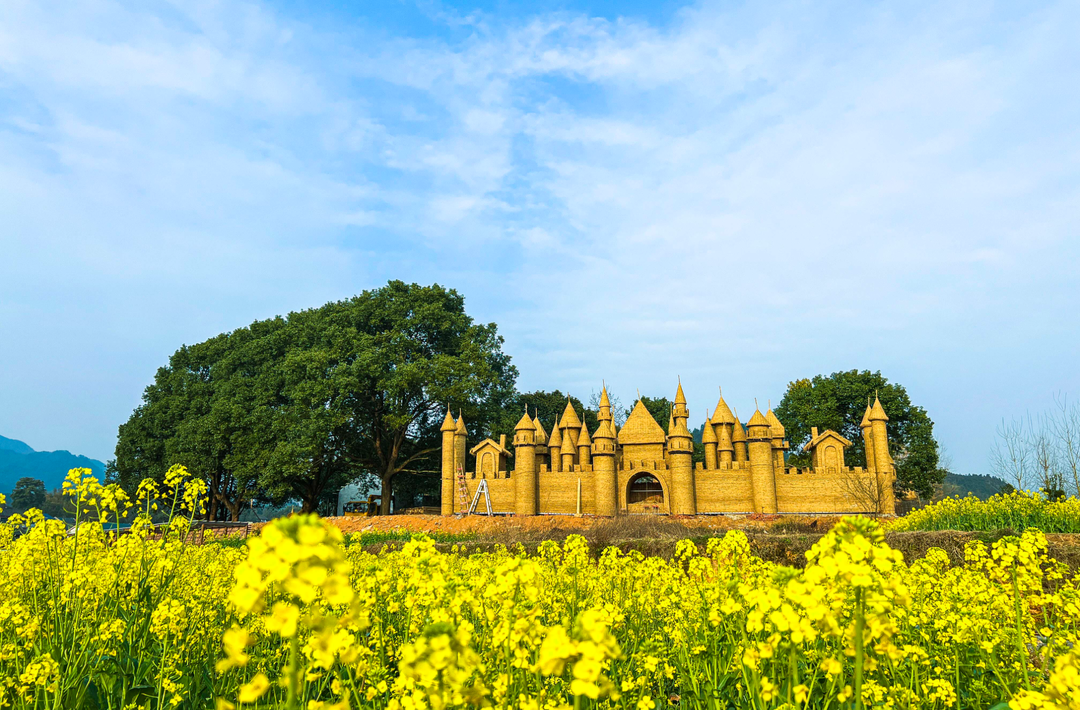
(18, 460)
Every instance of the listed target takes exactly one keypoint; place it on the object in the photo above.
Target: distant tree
(838, 401)
(549, 406)
(28, 493)
(1041, 451)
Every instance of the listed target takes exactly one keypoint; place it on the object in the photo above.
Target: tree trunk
(384, 504)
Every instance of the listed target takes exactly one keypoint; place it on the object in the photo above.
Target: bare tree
(866, 489)
(1044, 448)
(1065, 422)
(1010, 458)
(618, 412)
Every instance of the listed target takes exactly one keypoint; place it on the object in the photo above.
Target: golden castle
(637, 468)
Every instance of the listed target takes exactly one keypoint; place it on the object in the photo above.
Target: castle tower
(708, 438)
(570, 423)
(605, 407)
(605, 481)
(723, 422)
(584, 446)
(680, 446)
(776, 433)
(525, 488)
(448, 429)
(760, 449)
(541, 440)
(568, 449)
(738, 440)
(555, 448)
(460, 435)
(883, 461)
(868, 438)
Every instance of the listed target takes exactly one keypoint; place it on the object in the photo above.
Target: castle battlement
(641, 468)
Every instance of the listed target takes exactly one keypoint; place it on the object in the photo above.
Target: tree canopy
(838, 402)
(296, 407)
(28, 493)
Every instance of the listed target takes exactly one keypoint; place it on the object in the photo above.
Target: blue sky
(737, 194)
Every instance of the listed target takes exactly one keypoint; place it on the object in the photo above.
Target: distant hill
(18, 460)
(958, 484)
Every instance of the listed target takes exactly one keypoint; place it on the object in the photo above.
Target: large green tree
(298, 406)
(838, 402)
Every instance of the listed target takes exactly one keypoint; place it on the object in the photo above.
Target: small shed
(492, 458)
(827, 449)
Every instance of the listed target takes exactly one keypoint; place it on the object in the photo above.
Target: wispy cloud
(741, 195)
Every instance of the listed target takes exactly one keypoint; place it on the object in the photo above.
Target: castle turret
(708, 439)
(460, 436)
(584, 446)
(604, 477)
(541, 442)
(555, 447)
(738, 440)
(762, 480)
(723, 422)
(525, 488)
(868, 438)
(448, 429)
(883, 461)
(680, 410)
(776, 433)
(569, 450)
(680, 448)
(570, 423)
(605, 407)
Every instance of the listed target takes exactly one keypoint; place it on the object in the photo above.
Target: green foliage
(660, 409)
(296, 407)
(982, 487)
(838, 402)
(28, 493)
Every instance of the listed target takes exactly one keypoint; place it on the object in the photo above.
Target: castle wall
(559, 491)
(726, 489)
(817, 490)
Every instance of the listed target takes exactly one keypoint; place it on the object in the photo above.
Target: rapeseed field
(298, 618)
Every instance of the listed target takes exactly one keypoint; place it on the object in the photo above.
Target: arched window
(487, 464)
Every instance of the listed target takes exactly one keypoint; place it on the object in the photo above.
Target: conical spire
(604, 401)
(606, 430)
(680, 430)
(865, 423)
(708, 434)
(775, 427)
(680, 398)
(570, 417)
(568, 445)
(671, 422)
(722, 415)
(738, 433)
(877, 412)
(555, 440)
(448, 423)
(583, 438)
(541, 435)
(758, 419)
(461, 424)
(525, 422)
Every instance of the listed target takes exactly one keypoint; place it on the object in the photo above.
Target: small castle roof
(775, 427)
(448, 423)
(680, 398)
(679, 430)
(877, 413)
(671, 421)
(606, 430)
(827, 434)
(525, 422)
(758, 419)
(722, 415)
(708, 434)
(604, 401)
(865, 417)
(641, 428)
(738, 433)
(555, 441)
(541, 435)
(569, 417)
(583, 438)
(567, 445)
(461, 424)
(490, 443)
